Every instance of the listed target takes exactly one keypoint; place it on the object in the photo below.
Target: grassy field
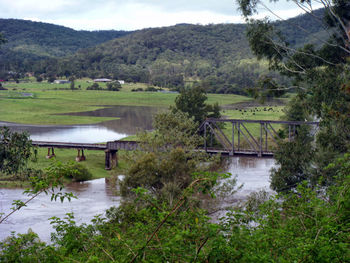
(50, 100)
(95, 163)
(254, 113)
(95, 160)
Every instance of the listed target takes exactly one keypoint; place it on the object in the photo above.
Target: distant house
(61, 81)
(121, 82)
(102, 80)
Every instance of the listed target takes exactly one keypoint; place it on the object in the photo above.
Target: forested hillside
(29, 41)
(168, 56)
(216, 55)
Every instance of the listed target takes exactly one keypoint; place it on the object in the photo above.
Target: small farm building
(102, 80)
(61, 81)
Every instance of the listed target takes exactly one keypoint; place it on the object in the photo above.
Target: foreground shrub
(74, 171)
(306, 226)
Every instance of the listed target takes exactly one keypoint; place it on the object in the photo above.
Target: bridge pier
(111, 159)
(50, 155)
(80, 158)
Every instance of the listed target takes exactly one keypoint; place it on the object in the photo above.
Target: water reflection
(94, 197)
(132, 119)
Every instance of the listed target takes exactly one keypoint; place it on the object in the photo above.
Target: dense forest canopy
(30, 41)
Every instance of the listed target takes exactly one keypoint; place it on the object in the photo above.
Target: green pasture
(95, 160)
(95, 163)
(273, 113)
(50, 100)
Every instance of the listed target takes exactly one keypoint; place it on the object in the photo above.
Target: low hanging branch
(43, 185)
(179, 203)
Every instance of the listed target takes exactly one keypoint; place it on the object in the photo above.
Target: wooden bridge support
(52, 154)
(81, 157)
(110, 148)
(111, 159)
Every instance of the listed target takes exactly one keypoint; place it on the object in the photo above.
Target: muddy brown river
(131, 119)
(95, 196)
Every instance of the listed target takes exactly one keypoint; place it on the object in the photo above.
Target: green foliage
(295, 158)
(32, 41)
(192, 101)
(39, 78)
(15, 150)
(294, 161)
(2, 39)
(304, 226)
(22, 248)
(266, 89)
(151, 89)
(72, 84)
(114, 86)
(71, 170)
(319, 71)
(94, 86)
(51, 79)
(169, 158)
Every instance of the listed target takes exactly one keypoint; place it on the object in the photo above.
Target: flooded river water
(95, 196)
(131, 120)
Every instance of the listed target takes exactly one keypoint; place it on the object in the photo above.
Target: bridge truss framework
(242, 141)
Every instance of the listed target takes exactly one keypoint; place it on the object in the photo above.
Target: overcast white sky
(130, 14)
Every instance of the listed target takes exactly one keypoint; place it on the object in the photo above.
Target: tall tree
(15, 150)
(192, 101)
(320, 73)
(2, 39)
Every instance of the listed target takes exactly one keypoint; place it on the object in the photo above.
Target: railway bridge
(249, 137)
(233, 137)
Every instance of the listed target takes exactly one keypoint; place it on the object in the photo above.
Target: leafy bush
(136, 90)
(94, 86)
(114, 86)
(15, 150)
(74, 171)
(2, 88)
(151, 89)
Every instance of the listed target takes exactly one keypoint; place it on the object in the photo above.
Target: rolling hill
(217, 55)
(29, 41)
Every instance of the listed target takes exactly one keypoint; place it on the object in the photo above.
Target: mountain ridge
(217, 54)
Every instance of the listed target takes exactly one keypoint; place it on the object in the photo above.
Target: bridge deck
(133, 145)
(240, 153)
(69, 145)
